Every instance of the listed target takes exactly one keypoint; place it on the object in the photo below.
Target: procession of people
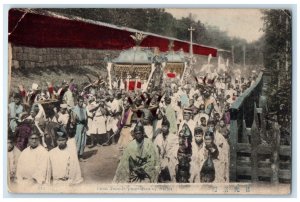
(175, 133)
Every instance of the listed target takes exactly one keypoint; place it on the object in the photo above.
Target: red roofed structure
(35, 29)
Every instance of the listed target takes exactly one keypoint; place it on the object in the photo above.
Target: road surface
(101, 164)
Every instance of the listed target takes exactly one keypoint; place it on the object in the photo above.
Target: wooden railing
(252, 160)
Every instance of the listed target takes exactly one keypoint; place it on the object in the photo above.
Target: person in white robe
(114, 111)
(65, 168)
(97, 126)
(222, 174)
(210, 166)
(38, 116)
(222, 162)
(187, 114)
(90, 110)
(167, 145)
(170, 113)
(68, 98)
(34, 163)
(15, 108)
(61, 117)
(197, 158)
(13, 155)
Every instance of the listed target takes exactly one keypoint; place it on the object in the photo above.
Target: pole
(244, 55)
(232, 54)
(191, 29)
(150, 76)
(109, 66)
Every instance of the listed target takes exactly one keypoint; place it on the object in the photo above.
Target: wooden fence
(252, 159)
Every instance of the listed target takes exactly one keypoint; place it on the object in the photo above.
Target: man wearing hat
(34, 163)
(15, 109)
(13, 154)
(197, 153)
(65, 168)
(140, 161)
(167, 149)
(187, 119)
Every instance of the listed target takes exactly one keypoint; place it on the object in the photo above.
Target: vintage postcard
(149, 101)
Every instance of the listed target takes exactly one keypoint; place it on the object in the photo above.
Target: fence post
(254, 145)
(233, 144)
(276, 148)
(243, 115)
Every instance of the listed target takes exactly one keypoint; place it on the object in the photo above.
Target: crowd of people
(176, 133)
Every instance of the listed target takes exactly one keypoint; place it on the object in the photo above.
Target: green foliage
(277, 55)
(278, 36)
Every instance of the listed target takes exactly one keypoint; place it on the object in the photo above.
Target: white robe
(98, 124)
(112, 121)
(62, 118)
(167, 151)
(222, 165)
(34, 164)
(68, 98)
(13, 157)
(89, 107)
(197, 161)
(65, 165)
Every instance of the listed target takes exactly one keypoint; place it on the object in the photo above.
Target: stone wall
(28, 57)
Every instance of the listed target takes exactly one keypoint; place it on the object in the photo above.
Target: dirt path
(100, 165)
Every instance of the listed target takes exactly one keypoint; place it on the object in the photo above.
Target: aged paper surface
(155, 101)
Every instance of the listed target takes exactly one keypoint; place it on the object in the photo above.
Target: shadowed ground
(100, 165)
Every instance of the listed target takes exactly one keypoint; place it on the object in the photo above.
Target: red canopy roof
(40, 30)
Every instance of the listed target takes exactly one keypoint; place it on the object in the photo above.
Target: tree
(277, 55)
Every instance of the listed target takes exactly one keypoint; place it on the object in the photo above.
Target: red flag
(171, 75)
(131, 85)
